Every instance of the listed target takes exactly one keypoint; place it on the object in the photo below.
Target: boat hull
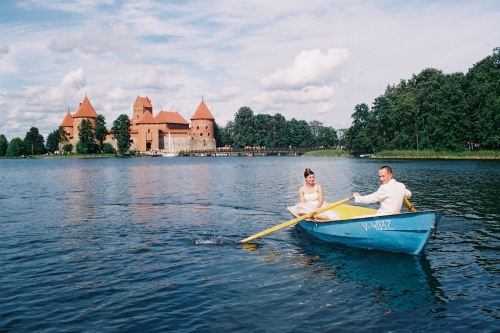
(405, 233)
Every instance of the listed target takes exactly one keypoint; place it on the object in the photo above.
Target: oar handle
(298, 219)
(409, 205)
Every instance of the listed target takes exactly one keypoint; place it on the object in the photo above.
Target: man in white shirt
(390, 194)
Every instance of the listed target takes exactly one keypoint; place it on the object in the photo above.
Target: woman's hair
(308, 172)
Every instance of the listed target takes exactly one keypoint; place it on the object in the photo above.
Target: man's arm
(372, 198)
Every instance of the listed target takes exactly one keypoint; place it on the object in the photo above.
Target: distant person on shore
(390, 194)
(311, 198)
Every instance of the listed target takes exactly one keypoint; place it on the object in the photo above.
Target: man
(390, 194)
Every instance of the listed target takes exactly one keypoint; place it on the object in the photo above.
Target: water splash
(213, 240)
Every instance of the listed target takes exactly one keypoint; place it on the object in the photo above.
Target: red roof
(85, 110)
(147, 118)
(144, 101)
(67, 121)
(202, 112)
(171, 118)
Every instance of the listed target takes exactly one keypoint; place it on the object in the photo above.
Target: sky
(308, 60)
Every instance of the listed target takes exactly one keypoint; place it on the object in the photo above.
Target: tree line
(263, 130)
(433, 111)
(429, 111)
(90, 140)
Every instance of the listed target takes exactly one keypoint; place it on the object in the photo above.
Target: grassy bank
(481, 154)
(326, 153)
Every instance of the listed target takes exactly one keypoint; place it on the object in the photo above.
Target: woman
(311, 198)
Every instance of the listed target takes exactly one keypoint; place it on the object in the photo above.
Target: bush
(68, 148)
(107, 148)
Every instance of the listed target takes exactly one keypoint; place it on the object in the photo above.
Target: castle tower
(67, 125)
(141, 105)
(85, 111)
(202, 123)
(148, 132)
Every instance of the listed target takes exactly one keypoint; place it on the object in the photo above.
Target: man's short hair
(386, 167)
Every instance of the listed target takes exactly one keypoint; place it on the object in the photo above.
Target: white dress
(310, 204)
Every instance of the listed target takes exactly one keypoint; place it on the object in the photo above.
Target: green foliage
(34, 142)
(68, 148)
(86, 144)
(433, 111)
(4, 144)
(108, 148)
(63, 135)
(269, 131)
(16, 148)
(121, 133)
(52, 143)
(245, 133)
(100, 132)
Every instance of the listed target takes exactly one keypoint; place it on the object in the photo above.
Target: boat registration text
(378, 225)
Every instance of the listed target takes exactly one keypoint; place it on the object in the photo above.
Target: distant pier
(250, 152)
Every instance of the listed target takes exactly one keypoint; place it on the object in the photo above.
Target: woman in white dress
(311, 198)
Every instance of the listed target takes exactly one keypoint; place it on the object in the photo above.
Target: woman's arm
(301, 195)
(320, 196)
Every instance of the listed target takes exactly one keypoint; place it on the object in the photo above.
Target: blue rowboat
(405, 232)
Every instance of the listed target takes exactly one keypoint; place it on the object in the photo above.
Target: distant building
(149, 132)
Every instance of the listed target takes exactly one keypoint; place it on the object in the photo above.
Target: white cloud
(96, 41)
(51, 99)
(232, 53)
(324, 107)
(4, 49)
(306, 95)
(310, 67)
(228, 93)
(157, 78)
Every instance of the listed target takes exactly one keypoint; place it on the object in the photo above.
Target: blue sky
(310, 60)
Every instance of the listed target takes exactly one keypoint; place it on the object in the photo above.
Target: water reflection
(394, 281)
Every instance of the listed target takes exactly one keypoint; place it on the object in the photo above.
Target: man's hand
(356, 194)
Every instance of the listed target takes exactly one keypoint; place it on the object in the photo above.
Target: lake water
(152, 245)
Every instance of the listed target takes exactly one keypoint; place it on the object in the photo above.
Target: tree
(4, 144)
(121, 133)
(100, 131)
(86, 145)
(16, 148)
(52, 143)
(108, 148)
(483, 100)
(244, 128)
(262, 128)
(226, 134)
(280, 132)
(63, 136)
(316, 127)
(327, 137)
(34, 142)
(67, 148)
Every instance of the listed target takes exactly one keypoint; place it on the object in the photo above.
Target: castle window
(137, 116)
(208, 134)
(197, 127)
(206, 127)
(149, 131)
(201, 134)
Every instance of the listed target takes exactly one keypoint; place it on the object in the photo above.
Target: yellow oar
(409, 205)
(303, 217)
